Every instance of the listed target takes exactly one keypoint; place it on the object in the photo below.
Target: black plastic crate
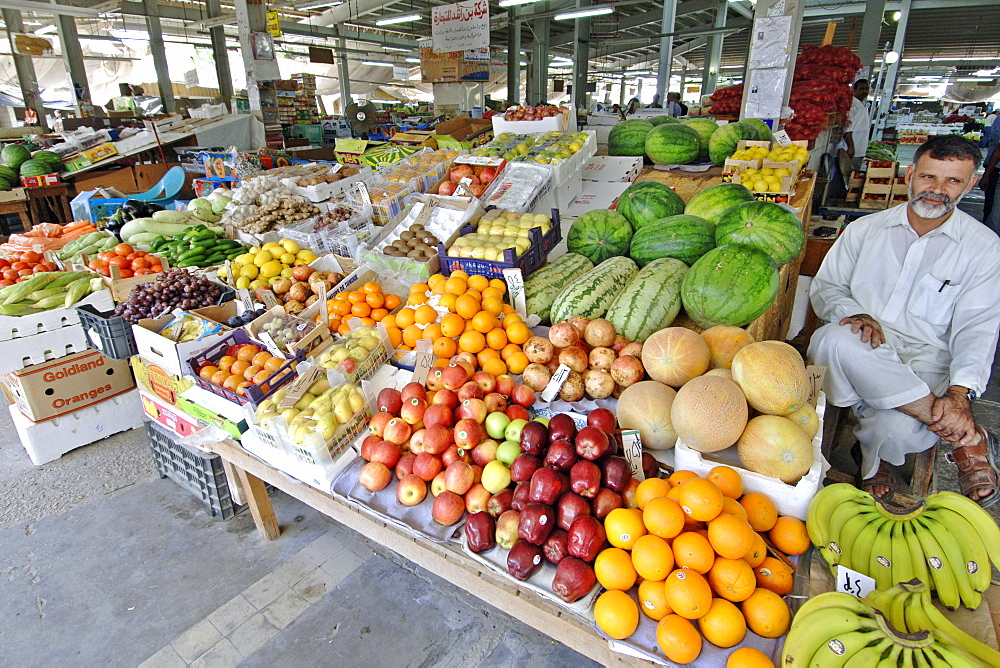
(200, 473)
(108, 333)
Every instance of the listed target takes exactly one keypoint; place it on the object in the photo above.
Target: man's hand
(953, 421)
(871, 331)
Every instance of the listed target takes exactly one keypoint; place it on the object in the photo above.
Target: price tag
(555, 383)
(270, 301)
(515, 288)
(782, 138)
(424, 362)
(246, 298)
(300, 385)
(229, 273)
(363, 191)
(854, 583)
(229, 231)
(335, 168)
(269, 343)
(633, 452)
(324, 311)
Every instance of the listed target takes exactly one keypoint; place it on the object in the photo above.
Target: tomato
(24, 272)
(119, 261)
(143, 272)
(5, 282)
(123, 250)
(106, 256)
(4, 263)
(10, 274)
(38, 269)
(126, 272)
(141, 263)
(30, 257)
(131, 256)
(156, 267)
(105, 271)
(50, 266)
(17, 266)
(141, 253)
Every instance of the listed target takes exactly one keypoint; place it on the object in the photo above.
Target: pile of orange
(471, 317)
(695, 549)
(369, 303)
(242, 366)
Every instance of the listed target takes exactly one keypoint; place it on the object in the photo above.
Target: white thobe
(937, 299)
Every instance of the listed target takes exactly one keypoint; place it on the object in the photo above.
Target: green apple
(543, 420)
(496, 423)
(513, 430)
(496, 477)
(508, 452)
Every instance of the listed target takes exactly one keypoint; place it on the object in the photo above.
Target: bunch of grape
(333, 218)
(174, 288)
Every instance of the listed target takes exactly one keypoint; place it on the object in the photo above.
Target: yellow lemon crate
(749, 154)
(793, 157)
(767, 184)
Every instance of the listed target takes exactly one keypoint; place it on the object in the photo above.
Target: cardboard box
(17, 328)
(39, 181)
(611, 169)
(451, 66)
(171, 417)
(42, 347)
(597, 195)
(48, 390)
(463, 132)
(349, 151)
(170, 355)
(156, 381)
(214, 410)
(317, 339)
(416, 139)
(100, 152)
(13, 195)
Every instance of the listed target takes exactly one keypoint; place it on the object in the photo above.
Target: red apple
(523, 395)
(495, 402)
(474, 409)
(458, 477)
(437, 439)
(386, 452)
(500, 502)
(413, 410)
(448, 508)
(485, 452)
(471, 390)
(605, 501)
(571, 506)
(378, 422)
(438, 414)
(435, 378)
(389, 400)
(397, 431)
(562, 428)
(426, 466)
(468, 433)
(416, 443)
(603, 419)
(517, 412)
(454, 376)
(366, 446)
(405, 465)
(628, 494)
(468, 360)
(446, 398)
(485, 381)
(374, 476)
(455, 454)
(505, 384)
(438, 484)
(477, 498)
(523, 467)
(591, 443)
(411, 490)
(413, 390)
(478, 471)
(585, 478)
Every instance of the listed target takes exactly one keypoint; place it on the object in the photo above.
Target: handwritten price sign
(633, 452)
(460, 26)
(854, 583)
(515, 289)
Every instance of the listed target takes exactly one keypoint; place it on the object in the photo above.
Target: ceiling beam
(645, 18)
(843, 9)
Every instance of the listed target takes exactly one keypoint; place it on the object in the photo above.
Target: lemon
(262, 258)
(287, 259)
(249, 271)
(781, 171)
(242, 283)
(254, 250)
(270, 268)
(760, 185)
(246, 258)
(290, 245)
(286, 272)
(222, 273)
(271, 245)
(305, 256)
(257, 284)
(767, 171)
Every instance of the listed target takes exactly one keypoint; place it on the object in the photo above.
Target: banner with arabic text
(461, 26)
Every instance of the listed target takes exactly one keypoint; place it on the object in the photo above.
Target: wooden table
(49, 204)
(15, 202)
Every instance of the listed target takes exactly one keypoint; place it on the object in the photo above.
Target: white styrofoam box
(50, 440)
(18, 353)
(790, 499)
(18, 327)
(612, 169)
(596, 195)
(170, 355)
(324, 191)
(568, 191)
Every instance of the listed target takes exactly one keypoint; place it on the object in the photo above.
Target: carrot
(78, 232)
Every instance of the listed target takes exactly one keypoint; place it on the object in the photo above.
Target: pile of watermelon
(18, 161)
(684, 142)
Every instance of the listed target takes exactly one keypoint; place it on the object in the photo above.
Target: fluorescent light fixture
(47, 8)
(136, 35)
(584, 13)
(396, 48)
(974, 79)
(891, 57)
(413, 60)
(943, 59)
(375, 63)
(897, 15)
(47, 30)
(515, 3)
(320, 5)
(398, 19)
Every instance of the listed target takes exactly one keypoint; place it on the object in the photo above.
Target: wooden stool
(49, 204)
(20, 207)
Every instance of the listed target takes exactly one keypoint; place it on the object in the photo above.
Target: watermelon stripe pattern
(650, 301)
(543, 286)
(646, 201)
(712, 203)
(685, 238)
(729, 285)
(628, 138)
(592, 294)
(599, 235)
(724, 140)
(672, 144)
(773, 228)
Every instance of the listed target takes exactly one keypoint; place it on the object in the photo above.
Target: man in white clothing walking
(911, 298)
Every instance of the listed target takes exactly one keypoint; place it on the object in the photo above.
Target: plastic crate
(110, 334)
(200, 473)
(342, 240)
(254, 394)
(529, 261)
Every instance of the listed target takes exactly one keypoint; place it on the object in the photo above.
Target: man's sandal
(977, 468)
(883, 478)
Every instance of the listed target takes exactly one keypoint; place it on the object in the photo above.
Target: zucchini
(181, 218)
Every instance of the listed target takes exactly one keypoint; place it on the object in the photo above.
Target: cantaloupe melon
(675, 355)
(721, 373)
(777, 447)
(805, 416)
(646, 406)
(773, 377)
(709, 413)
(724, 341)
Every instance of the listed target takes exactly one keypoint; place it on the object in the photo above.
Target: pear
(289, 414)
(304, 402)
(319, 387)
(321, 406)
(342, 410)
(359, 353)
(356, 400)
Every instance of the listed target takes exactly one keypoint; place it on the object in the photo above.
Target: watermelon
(543, 286)
(650, 301)
(598, 235)
(672, 144)
(5, 184)
(14, 154)
(724, 140)
(705, 127)
(773, 228)
(8, 174)
(685, 238)
(629, 138)
(712, 202)
(646, 201)
(35, 168)
(49, 158)
(592, 294)
(762, 129)
(729, 285)
(661, 120)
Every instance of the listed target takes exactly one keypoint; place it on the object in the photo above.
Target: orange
(749, 657)
(355, 297)
(468, 326)
(486, 354)
(730, 536)
(493, 305)
(379, 314)
(477, 282)
(663, 517)
(494, 367)
(392, 301)
(432, 331)
(508, 350)
(652, 557)
(445, 348)
(274, 364)
(624, 527)
(361, 310)
(507, 308)
(492, 292)
(368, 321)
(732, 579)
(455, 285)
(225, 362)
(484, 322)
(727, 480)
(412, 334)
(238, 367)
(518, 333)
(761, 512)
(517, 363)
(466, 306)
(499, 284)
(416, 298)
(678, 477)
(261, 358)
(441, 363)
(649, 489)
(616, 614)
(772, 574)
(340, 306)
(206, 372)
(688, 593)
(789, 535)
(653, 599)
(475, 295)
(371, 287)
(251, 371)
(700, 499)
(496, 339)
(460, 274)
(437, 288)
(419, 287)
(448, 302)
(232, 382)
(678, 639)
(375, 300)
(692, 550)
(766, 613)
(614, 569)
(246, 352)
(405, 318)
(471, 342)
(452, 324)
(436, 279)
(424, 315)
(757, 553)
(344, 329)
(724, 625)
(733, 507)
(395, 336)
(508, 318)
(675, 495)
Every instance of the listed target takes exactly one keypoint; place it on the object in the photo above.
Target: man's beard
(930, 211)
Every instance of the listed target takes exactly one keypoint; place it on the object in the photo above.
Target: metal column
(539, 62)
(218, 36)
(666, 50)
(889, 86)
(581, 59)
(24, 67)
(76, 73)
(250, 19)
(871, 28)
(345, 75)
(513, 58)
(156, 49)
(713, 51)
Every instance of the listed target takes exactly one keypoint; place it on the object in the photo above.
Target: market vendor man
(911, 296)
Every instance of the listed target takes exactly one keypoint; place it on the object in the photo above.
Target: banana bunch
(947, 541)
(908, 607)
(835, 629)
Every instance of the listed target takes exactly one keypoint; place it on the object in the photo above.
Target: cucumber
(542, 286)
(650, 301)
(191, 254)
(157, 243)
(591, 294)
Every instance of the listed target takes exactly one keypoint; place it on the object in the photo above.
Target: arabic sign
(274, 23)
(461, 26)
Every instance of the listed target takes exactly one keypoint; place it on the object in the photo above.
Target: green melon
(35, 168)
(8, 174)
(724, 140)
(646, 201)
(629, 138)
(49, 158)
(599, 235)
(685, 238)
(661, 120)
(773, 228)
(672, 144)
(729, 285)
(712, 202)
(762, 129)
(5, 184)
(13, 155)
(705, 127)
